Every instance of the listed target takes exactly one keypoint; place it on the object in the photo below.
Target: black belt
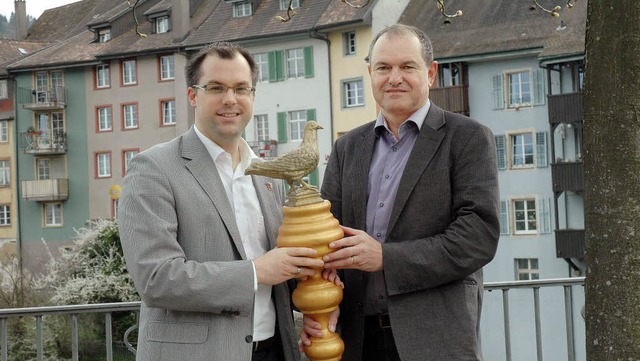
(265, 344)
(380, 321)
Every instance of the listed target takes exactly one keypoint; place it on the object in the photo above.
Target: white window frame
(5, 215)
(523, 205)
(4, 89)
(130, 116)
(524, 157)
(43, 168)
(262, 63)
(4, 131)
(242, 9)
(161, 25)
(530, 271)
(262, 126)
(349, 39)
(105, 119)
(103, 76)
(353, 93)
(103, 164)
(129, 76)
(167, 67)
(518, 89)
(5, 172)
(168, 112)
(297, 121)
(295, 63)
(284, 4)
(127, 155)
(104, 35)
(53, 214)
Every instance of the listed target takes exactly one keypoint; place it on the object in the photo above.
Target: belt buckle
(384, 320)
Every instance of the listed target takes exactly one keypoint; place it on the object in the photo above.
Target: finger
(299, 251)
(348, 231)
(333, 320)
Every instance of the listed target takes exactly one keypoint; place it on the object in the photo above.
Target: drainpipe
(17, 211)
(316, 35)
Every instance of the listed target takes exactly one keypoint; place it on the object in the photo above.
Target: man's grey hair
(405, 30)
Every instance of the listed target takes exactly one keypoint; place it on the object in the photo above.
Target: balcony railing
(452, 98)
(568, 176)
(565, 108)
(53, 98)
(570, 243)
(108, 308)
(45, 190)
(44, 143)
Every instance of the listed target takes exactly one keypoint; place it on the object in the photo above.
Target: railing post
(3, 339)
(39, 343)
(568, 314)
(74, 337)
(109, 341)
(507, 330)
(536, 305)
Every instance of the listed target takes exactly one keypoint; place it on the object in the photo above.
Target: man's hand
(357, 250)
(282, 264)
(312, 328)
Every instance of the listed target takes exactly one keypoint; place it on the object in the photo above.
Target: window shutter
(538, 87)
(311, 115)
(308, 62)
(504, 217)
(544, 216)
(282, 127)
(541, 150)
(276, 66)
(501, 151)
(497, 93)
(244, 133)
(313, 178)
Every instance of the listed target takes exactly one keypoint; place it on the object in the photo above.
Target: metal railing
(108, 308)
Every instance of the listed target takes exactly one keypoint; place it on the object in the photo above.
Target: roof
(499, 26)
(337, 13)
(10, 51)
(66, 21)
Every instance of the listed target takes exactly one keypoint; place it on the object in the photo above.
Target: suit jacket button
(249, 339)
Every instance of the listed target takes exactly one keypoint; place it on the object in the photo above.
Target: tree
(612, 176)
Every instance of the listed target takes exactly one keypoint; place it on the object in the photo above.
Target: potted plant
(32, 131)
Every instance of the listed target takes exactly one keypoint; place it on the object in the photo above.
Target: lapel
(362, 154)
(269, 203)
(204, 171)
(424, 149)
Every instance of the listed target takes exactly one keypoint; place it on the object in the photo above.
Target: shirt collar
(246, 153)
(417, 118)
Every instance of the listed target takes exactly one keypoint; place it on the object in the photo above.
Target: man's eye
(216, 88)
(242, 91)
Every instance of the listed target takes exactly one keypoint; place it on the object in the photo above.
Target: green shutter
(276, 66)
(313, 178)
(538, 87)
(244, 133)
(308, 62)
(311, 115)
(497, 95)
(501, 151)
(280, 65)
(282, 127)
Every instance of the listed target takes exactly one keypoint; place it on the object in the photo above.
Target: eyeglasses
(219, 89)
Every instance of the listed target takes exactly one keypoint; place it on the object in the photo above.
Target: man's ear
(191, 95)
(432, 71)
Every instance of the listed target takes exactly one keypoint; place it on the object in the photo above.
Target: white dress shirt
(246, 207)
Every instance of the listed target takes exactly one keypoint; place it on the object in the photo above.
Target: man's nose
(395, 76)
(229, 97)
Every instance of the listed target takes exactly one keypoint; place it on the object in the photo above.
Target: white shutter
(497, 94)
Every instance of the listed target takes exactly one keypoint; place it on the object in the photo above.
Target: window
(103, 165)
(161, 25)
(295, 63)
(241, 9)
(52, 214)
(297, 120)
(262, 127)
(449, 74)
(44, 168)
(353, 93)
(524, 216)
(284, 4)
(522, 88)
(130, 116)
(262, 63)
(4, 91)
(168, 109)
(127, 155)
(5, 215)
(5, 172)
(104, 35)
(519, 89)
(104, 119)
(527, 269)
(129, 76)
(349, 41)
(522, 150)
(167, 68)
(102, 76)
(4, 131)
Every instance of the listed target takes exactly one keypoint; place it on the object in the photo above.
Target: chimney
(21, 19)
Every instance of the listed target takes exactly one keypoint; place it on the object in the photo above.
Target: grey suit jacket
(443, 229)
(183, 249)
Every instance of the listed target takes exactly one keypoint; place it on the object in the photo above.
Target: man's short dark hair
(401, 29)
(222, 50)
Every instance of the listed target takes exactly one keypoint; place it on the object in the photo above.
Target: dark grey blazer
(443, 229)
(183, 249)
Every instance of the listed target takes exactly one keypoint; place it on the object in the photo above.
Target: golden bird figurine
(295, 164)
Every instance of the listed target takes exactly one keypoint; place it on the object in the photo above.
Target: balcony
(267, 149)
(568, 176)
(565, 108)
(452, 98)
(570, 243)
(45, 190)
(53, 98)
(44, 143)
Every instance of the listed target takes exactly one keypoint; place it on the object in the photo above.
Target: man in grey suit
(199, 236)
(418, 190)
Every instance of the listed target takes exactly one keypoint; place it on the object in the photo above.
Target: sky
(35, 8)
